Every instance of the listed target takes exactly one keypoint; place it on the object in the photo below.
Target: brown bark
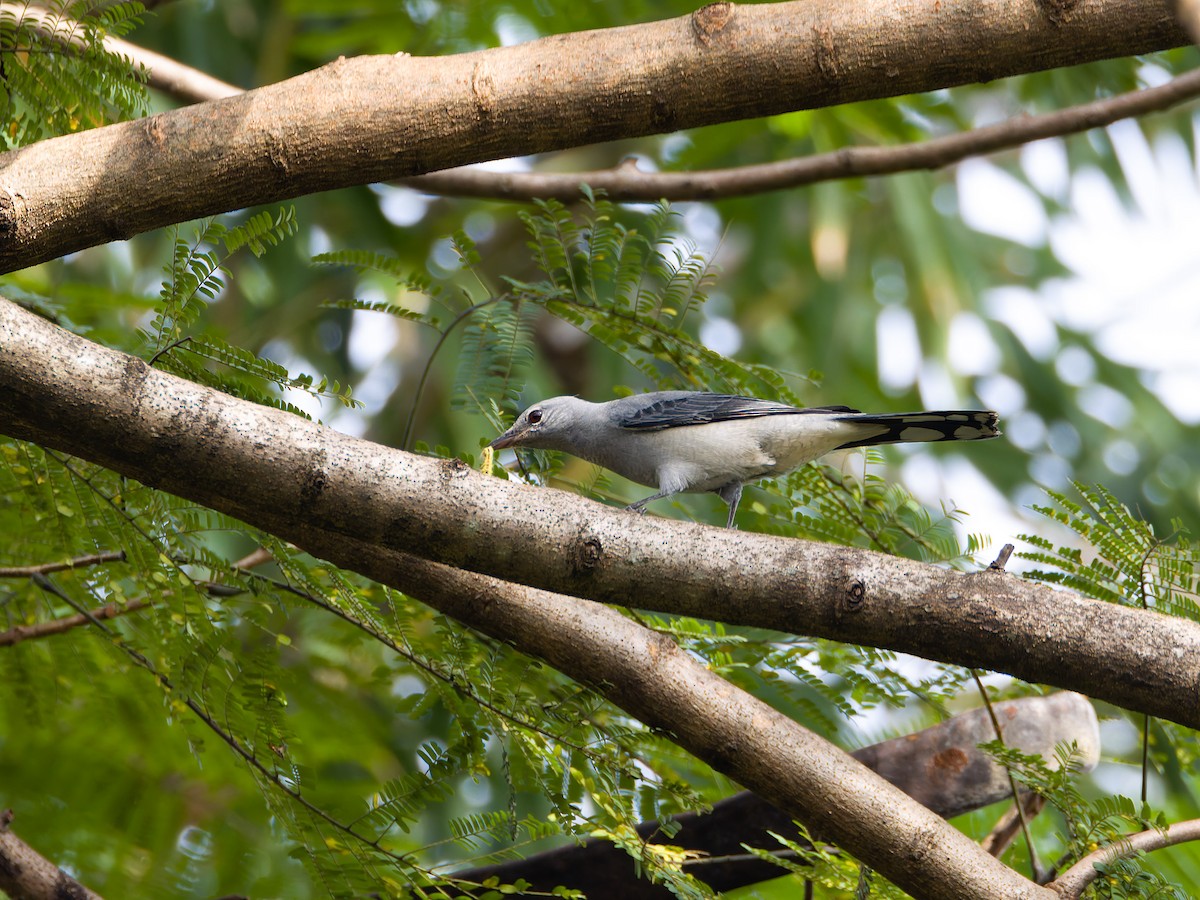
(27, 875)
(367, 119)
(1073, 882)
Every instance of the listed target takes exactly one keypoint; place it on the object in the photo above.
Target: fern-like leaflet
(58, 74)
(195, 277)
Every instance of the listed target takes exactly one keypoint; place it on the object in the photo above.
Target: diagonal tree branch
(651, 677)
(941, 766)
(1073, 882)
(368, 119)
(27, 875)
(276, 470)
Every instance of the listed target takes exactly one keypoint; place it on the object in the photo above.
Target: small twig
(1034, 866)
(171, 346)
(1072, 883)
(78, 562)
(1001, 559)
(19, 633)
(626, 184)
(1009, 825)
(254, 559)
(738, 858)
(406, 440)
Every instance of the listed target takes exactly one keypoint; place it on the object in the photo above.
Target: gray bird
(697, 442)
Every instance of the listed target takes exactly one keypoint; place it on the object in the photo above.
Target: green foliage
(1127, 562)
(837, 873)
(58, 76)
(195, 277)
(220, 642)
(1090, 825)
(1119, 559)
(632, 289)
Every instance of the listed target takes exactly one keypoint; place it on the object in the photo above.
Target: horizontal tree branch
(626, 182)
(941, 766)
(374, 118)
(65, 392)
(1073, 882)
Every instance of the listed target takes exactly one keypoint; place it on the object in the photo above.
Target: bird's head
(548, 425)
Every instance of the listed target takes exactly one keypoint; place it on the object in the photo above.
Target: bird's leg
(731, 494)
(640, 505)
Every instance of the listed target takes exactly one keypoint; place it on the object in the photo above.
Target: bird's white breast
(706, 457)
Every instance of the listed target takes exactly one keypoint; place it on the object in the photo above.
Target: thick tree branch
(941, 766)
(1073, 882)
(27, 875)
(368, 119)
(651, 677)
(276, 470)
(627, 183)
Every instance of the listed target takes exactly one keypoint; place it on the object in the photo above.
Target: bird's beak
(510, 438)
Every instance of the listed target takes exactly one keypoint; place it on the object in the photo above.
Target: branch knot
(709, 21)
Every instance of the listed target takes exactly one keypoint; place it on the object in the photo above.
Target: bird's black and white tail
(940, 425)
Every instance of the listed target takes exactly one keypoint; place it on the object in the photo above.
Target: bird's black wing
(674, 409)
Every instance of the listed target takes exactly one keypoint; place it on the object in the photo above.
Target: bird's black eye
(535, 416)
